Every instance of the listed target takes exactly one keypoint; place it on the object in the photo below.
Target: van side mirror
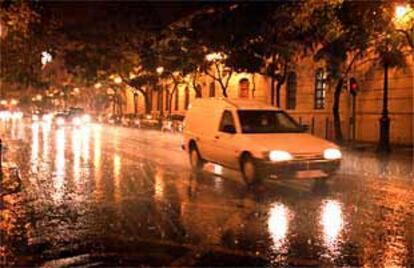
(305, 127)
(229, 129)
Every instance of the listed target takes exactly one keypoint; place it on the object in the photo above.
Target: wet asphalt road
(112, 196)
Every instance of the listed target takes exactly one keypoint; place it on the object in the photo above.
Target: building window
(244, 85)
(291, 91)
(186, 97)
(176, 99)
(212, 89)
(320, 88)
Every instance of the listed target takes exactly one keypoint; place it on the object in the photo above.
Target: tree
(26, 31)
(344, 37)
(350, 30)
(246, 43)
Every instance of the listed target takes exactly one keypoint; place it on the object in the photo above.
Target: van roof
(235, 103)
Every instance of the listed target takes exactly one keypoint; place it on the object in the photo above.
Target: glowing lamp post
(14, 102)
(215, 56)
(45, 58)
(402, 18)
(118, 80)
(160, 70)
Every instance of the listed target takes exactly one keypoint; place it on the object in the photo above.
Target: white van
(256, 139)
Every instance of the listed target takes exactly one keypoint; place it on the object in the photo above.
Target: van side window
(226, 121)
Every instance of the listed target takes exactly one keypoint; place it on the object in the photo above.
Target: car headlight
(47, 117)
(332, 154)
(60, 121)
(86, 118)
(76, 121)
(278, 156)
(17, 115)
(35, 117)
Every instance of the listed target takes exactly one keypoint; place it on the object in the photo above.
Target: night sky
(151, 14)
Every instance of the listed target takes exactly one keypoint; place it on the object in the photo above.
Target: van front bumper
(290, 168)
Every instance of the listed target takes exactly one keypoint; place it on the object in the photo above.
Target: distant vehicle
(11, 115)
(72, 117)
(42, 116)
(256, 139)
(173, 123)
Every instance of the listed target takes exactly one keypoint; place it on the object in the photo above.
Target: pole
(384, 142)
(353, 117)
(1, 156)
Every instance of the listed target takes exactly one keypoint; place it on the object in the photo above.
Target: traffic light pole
(353, 91)
(353, 117)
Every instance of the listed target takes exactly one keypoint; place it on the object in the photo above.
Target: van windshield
(267, 121)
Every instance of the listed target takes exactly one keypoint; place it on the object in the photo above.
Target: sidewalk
(362, 158)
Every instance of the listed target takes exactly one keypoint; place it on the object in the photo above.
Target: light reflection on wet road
(103, 195)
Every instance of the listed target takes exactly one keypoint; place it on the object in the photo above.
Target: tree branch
(407, 35)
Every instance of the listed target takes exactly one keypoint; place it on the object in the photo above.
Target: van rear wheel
(196, 162)
(249, 170)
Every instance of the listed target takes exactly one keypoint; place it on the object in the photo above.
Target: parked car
(255, 138)
(173, 123)
(130, 120)
(114, 119)
(150, 121)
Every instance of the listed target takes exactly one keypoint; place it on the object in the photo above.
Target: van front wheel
(249, 170)
(196, 161)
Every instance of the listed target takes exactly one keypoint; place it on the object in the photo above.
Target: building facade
(307, 95)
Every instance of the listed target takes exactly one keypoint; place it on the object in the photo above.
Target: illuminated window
(212, 89)
(320, 88)
(186, 98)
(291, 91)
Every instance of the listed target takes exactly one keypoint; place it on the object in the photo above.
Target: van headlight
(332, 154)
(278, 156)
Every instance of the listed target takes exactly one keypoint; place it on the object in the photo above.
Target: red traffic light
(353, 86)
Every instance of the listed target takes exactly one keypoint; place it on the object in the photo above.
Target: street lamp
(98, 85)
(38, 97)
(403, 15)
(401, 11)
(160, 70)
(215, 56)
(46, 57)
(118, 80)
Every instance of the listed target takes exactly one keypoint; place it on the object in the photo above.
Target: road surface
(113, 196)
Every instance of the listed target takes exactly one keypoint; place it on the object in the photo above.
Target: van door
(225, 152)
